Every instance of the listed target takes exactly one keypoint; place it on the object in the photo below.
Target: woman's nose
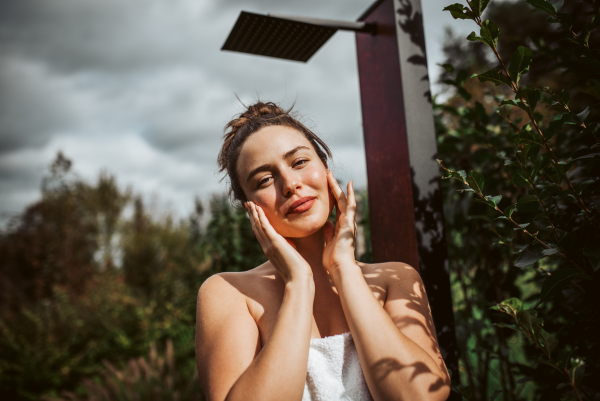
(290, 184)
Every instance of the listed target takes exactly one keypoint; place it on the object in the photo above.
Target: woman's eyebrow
(260, 169)
(291, 152)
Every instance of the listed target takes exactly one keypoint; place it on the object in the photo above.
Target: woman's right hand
(280, 251)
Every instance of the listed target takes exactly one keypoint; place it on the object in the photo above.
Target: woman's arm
(396, 344)
(230, 362)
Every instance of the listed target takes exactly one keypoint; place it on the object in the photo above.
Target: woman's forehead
(272, 142)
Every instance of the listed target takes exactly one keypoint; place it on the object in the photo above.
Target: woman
(311, 323)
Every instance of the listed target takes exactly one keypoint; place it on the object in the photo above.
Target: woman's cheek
(266, 200)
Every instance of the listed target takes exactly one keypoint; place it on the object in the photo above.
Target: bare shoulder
(227, 336)
(236, 284)
(384, 275)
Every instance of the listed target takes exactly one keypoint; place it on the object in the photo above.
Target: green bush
(524, 227)
(154, 377)
(104, 287)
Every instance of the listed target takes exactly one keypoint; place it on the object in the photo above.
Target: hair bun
(261, 109)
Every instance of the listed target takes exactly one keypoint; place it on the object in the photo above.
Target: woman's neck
(311, 249)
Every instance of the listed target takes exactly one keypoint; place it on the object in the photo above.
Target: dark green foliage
(153, 378)
(525, 247)
(82, 284)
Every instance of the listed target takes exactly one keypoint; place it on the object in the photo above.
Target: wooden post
(405, 202)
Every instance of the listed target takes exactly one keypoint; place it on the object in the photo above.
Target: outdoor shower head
(286, 37)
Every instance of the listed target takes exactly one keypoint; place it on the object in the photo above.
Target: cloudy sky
(139, 88)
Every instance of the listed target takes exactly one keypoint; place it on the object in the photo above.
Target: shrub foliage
(522, 148)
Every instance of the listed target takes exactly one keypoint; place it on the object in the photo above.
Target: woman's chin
(302, 227)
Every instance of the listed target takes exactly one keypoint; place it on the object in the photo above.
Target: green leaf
(531, 96)
(509, 326)
(557, 280)
(543, 5)
(557, 3)
(585, 35)
(490, 32)
(553, 127)
(528, 204)
(531, 323)
(515, 102)
(494, 199)
(484, 201)
(460, 175)
(479, 6)
(592, 88)
(478, 181)
(473, 38)
(518, 175)
(495, 77)
(588, 156)
(550, 363)
(563, 358)
(526, 198)
(512, 307)
(583, 115)
(459, 11)
(548, 340)
(530, 255)
(519, 63)
(496, 393)
(540, 164)
(593, 254)
(549, 191)
(521, 227)
(550, 251)
(509, 210)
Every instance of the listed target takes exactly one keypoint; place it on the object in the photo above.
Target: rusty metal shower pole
(405, 201)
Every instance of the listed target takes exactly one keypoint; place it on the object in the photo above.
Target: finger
(329, 232)
(256, 226)
(337, 191)
(351, 205)
(268, 229)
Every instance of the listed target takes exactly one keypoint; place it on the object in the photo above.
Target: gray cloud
(141, 89)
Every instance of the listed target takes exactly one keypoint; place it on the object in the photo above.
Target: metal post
(404, 191)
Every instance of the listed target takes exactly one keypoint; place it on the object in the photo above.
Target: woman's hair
(257, 116)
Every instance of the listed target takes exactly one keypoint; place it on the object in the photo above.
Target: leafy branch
(528, 324)
(520, 60)
(475, 182)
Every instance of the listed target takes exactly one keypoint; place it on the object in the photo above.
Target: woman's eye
(263, 181)
(301, 162)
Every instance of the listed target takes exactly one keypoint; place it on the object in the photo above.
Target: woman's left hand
(340, 239)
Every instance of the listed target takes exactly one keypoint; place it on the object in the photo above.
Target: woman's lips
(302, 205)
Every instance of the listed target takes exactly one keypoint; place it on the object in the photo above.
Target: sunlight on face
(280, 171)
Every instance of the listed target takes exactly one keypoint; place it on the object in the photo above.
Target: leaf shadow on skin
(412, 294)
(385, 366)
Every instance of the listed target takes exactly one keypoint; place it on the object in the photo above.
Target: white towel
(334, 371)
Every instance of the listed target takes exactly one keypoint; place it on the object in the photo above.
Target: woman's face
(280, 171)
